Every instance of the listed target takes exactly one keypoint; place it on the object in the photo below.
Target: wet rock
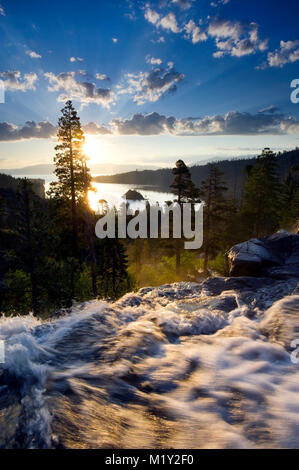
(276, 256)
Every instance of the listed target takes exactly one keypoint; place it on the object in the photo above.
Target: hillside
(8, 182)
(234, 171)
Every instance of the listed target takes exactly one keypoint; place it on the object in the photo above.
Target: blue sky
(152, 81)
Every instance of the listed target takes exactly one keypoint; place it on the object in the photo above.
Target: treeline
(10, 183)
(49, 254)
(234, 172)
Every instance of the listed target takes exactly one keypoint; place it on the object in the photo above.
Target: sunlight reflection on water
(113, 194)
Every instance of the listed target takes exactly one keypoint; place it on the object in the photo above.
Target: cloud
(151, 16)
(150, 86)
(216, 3)
(167, 22)
(194, 32)
(84, 92)
(232, 123)
(115, 40)
(95, 129)
(2, 12)
(102, 76)
(153, 60)
(42, 130)
(235, 38)
(30, 130)
(269, 109)
(13, 80)
(183, 4)
(286, 54)
(74, 59)
(235, 123)
(33, 55)
(150, 124)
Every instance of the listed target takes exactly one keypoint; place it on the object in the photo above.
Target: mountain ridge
(234, 173)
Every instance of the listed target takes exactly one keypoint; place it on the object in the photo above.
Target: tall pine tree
(185, 190)
(212, 191)
(289, 200)
(260, 205)
(71, 182)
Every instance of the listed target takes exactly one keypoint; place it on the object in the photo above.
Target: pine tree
(260, 205)
(185, 190)
(212, 191)
(289, 200)
(113, 279)
(68, 161)
(71, 190)
(183, 186)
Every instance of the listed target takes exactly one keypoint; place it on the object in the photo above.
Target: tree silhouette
(71, 184)
(260, 205)
(185, 190)
(212, 191)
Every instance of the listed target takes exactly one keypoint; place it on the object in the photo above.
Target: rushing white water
(180, 366)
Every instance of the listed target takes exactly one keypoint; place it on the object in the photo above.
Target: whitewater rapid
(179, 366)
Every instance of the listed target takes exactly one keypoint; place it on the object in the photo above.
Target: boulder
(274, 256)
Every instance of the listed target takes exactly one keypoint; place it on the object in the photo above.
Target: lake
(112, 193)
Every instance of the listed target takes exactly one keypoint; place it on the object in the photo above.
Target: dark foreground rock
(276, 256)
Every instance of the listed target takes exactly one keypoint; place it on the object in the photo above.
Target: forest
(51, 257)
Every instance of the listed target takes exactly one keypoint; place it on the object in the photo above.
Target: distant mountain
(234, 173)
(42, 169)
(48, 169)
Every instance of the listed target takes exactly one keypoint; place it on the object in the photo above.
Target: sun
(92, 148)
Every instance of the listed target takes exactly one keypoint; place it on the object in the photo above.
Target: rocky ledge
(276, 256)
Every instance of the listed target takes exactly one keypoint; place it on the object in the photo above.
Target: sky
(152, 81)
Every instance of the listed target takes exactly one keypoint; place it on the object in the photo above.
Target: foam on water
(181, 366)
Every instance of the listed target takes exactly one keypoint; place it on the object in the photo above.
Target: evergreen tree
(183, 187)
(185, 190)
(289, 200)
(68, 161)
(113, 279)
(212, 191)
(260, 205)
(71, 189)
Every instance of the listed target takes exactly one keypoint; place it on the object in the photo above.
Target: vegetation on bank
(50, 255)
